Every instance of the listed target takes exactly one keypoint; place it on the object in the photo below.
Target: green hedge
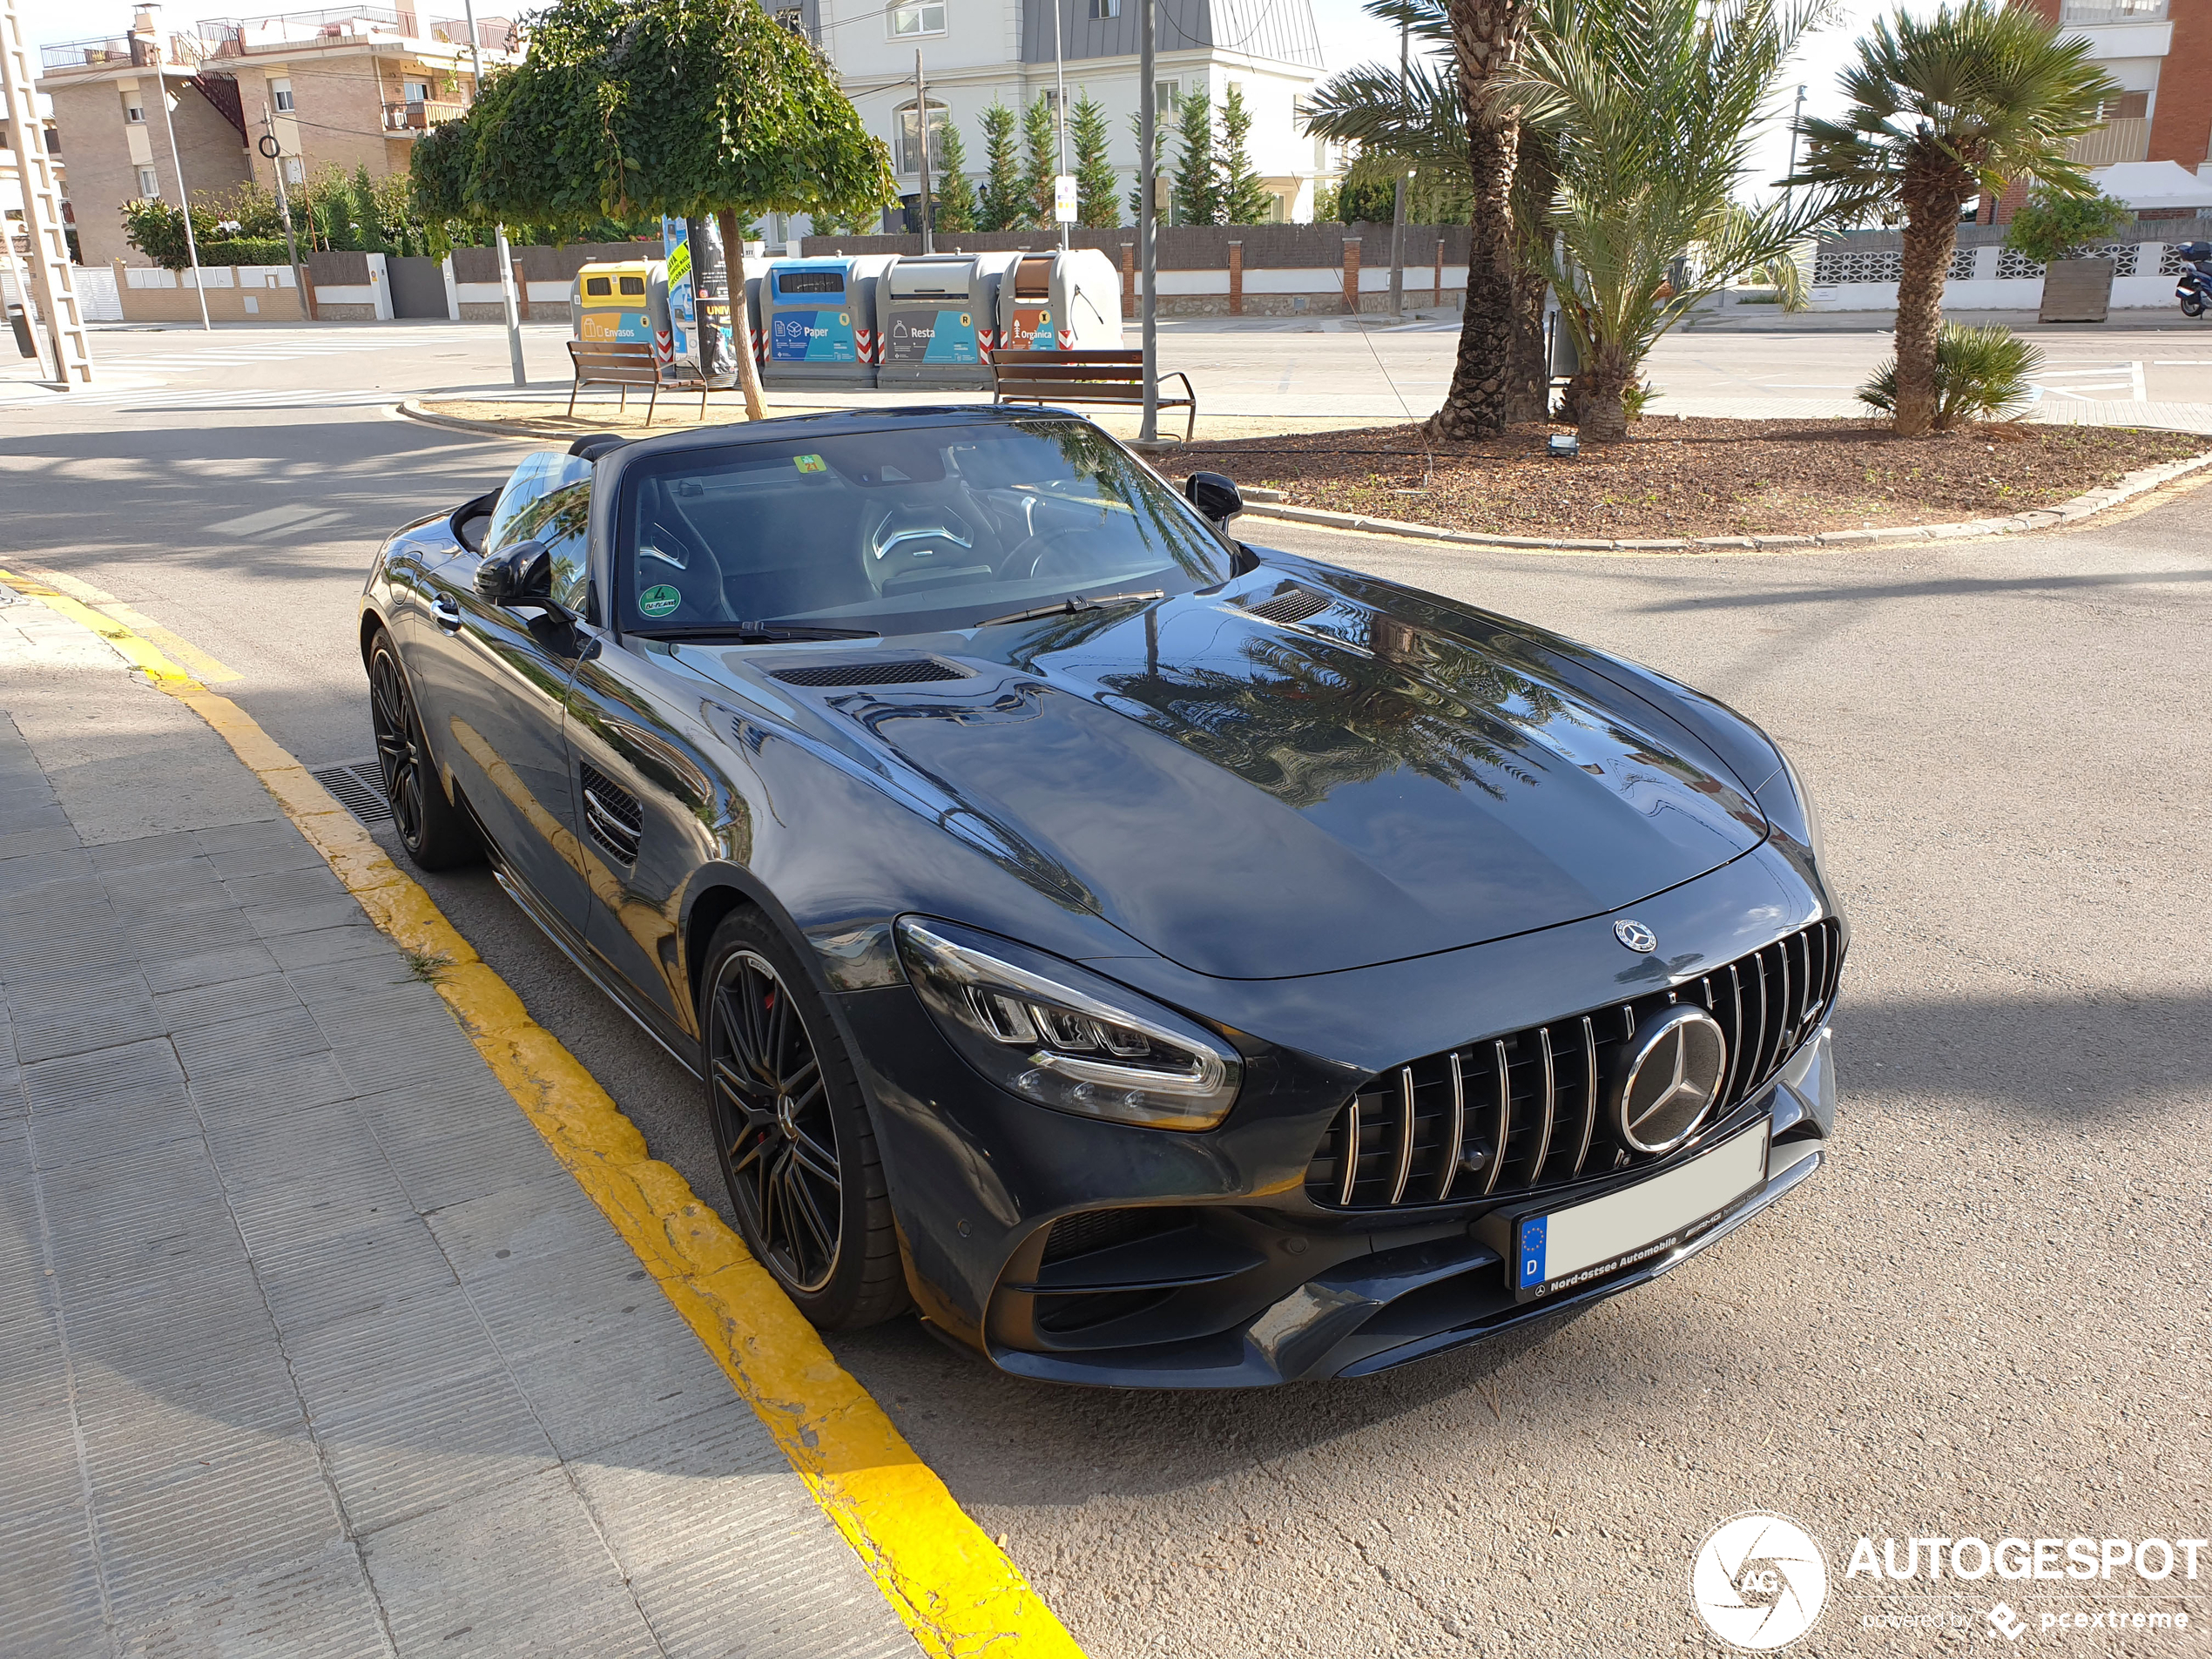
(245, 251)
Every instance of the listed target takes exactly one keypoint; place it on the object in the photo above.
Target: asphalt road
(1987, 1316)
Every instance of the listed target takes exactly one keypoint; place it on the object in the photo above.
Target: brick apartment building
(2160, 52)
(346, 86)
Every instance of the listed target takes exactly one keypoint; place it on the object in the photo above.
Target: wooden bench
(623, 363)
(1085, 377)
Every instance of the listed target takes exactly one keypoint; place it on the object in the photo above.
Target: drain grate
(358, 785)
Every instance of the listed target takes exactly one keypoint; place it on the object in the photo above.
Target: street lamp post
(921, 133)
(507, 296)
(177, 161)
(1148, 116)
(1398, 193)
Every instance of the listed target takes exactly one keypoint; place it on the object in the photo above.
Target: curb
(2081, 507)
(954, 1588)
(413, 409)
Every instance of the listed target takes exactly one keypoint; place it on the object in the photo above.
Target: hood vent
(1292, 605)
(910, 671)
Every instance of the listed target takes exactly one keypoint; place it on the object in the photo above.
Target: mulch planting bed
(1692, 478)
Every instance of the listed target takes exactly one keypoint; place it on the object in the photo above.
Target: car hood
(1255, 798)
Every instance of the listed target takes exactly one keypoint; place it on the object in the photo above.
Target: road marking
(958, 1595)
(201, 665)
(2182, 362)
(2127, 378)
(289, 518)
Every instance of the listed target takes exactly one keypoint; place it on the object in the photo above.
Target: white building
(976, 53)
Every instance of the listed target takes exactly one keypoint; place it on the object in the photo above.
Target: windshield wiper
(752, 633)
(1074, 607)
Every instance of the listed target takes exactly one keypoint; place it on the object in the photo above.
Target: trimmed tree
(1245, 200)
(1097, 183)
(1163, 123)
(1040, 161)
(1943, 109)
(954, 190)
(692, 108)
(1197, 175)
(1000, 208)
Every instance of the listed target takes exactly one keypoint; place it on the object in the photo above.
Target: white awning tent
(2146, 184)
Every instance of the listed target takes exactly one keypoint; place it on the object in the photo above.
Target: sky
(1349, 37)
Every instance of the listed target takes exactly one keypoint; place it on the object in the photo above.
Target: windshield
(901, 531)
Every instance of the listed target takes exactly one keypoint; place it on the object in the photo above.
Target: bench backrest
(1071, 376)
(614, 360)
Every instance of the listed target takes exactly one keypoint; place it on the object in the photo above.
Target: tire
(792, 1130)
(2192, 307)
(436, 834)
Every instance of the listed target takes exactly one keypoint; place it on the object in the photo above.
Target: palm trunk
(756, 407)
(1486, 40)
(1603, 416)
(1930, 235)
(1529, 384)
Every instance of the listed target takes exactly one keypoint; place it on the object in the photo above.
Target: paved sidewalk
(308, 1346)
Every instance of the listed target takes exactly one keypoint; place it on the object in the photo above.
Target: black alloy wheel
(793, 1134)
(435, 833)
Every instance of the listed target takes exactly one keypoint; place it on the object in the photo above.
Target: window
(548, 500)
(134, 113)
(947, 521)
(415, 92)
(2128, 106)
(1105, 9)
(149, 185)
(1166, 95)
(910, 137)
(280, 94)
(918, 17)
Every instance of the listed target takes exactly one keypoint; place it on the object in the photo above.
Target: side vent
(611, 813)
(912, 672)
(1292, 605)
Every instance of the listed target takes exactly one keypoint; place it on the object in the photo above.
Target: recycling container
(1068, 300)
(820, 317)
(612, 301)
(937, 318)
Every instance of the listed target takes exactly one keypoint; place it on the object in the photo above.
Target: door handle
(447, 610)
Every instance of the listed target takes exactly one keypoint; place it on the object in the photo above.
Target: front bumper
(1188, 1272)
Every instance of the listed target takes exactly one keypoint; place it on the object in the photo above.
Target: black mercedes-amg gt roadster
(1159, 961)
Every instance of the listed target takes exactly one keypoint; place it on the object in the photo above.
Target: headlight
(1052, 1032)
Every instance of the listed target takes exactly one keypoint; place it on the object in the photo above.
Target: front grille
(1514, 1113)
(904, 673)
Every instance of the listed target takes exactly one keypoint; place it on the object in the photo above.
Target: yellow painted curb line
(955, 1589)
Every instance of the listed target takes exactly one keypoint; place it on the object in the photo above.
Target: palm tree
(1427, 126)
(1651, 106)
(1970, 101)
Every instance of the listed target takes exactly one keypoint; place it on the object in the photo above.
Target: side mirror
(520, 575)
(1215, 495)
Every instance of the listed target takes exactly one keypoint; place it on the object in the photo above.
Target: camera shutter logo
(1759, 1582)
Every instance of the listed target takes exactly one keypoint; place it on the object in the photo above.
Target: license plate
(1557, 1249)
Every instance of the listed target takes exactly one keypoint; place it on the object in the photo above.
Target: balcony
(2125, 140)
(2093, 12)
(230, 36)
(418, 116)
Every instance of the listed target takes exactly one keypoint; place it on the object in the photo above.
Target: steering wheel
(1045, 553)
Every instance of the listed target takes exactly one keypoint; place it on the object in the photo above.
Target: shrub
(1980, 374)
(2050, 226)
(244, 250)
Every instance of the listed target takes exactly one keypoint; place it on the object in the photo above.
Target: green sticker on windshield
(810, 463)
(659, 601)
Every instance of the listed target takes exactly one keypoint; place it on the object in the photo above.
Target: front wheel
(793, 1133)
(436, 834)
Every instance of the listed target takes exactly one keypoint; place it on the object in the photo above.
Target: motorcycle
(2195, 289)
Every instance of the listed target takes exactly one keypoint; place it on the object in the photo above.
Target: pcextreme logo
(1759, 1582)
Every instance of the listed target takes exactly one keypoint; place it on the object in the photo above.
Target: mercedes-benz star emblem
(1636, 936)
(1678, 1060)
